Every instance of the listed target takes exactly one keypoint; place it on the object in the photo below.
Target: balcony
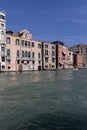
(47, 56)
(25, 58)
(53, 56)
(8, 58)
(3, 53)
(18, 58)
(39, 59)
(33, 59)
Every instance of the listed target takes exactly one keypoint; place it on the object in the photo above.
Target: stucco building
(22, 52)
(82, 50)
(61, 55)
(2, 41)
(48, 56)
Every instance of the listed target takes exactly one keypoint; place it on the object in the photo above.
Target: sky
(48, 20)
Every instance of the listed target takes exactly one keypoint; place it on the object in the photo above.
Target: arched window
(29, 54)
(33, 55)
(18, 53)
(8, 52)
(22, 53)
(25, 53)
(2, 32)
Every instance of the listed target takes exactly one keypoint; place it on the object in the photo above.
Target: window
(2, 49)
(33, 55)
(39, 45)
(22, 43)
(46, 59)
(46, 46)
(2, 25)
(25, 43)
(53, 66)
(32, 44)
(46, 66)
(17, 42)
(18, 53)
(2, 17)
(3, 66)
(53, 47)
(22, 53)
(53, 60)
(39, 56)
(8, 52)
(2, 32)
(33, 62)
(26, 54)
(29, 54)
(53, 53)
(26, 36)
(29, 44)
(3, 59)
(18, 61)
(46, 52)
(8, 40)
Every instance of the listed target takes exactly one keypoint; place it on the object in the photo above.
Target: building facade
(2, 41)
(48, 56)
(22, 52)
(61, 55)
(82, 50)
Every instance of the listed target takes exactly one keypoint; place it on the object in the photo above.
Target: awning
(64, 52)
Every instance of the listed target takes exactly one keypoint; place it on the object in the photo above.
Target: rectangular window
(32, 44)
(3, 66)
(46, 46)
(2, 17)
(2, 25)
(29, 44)
(53, 47)
(17, 42)
(8, 40)
(2, 49)
(53, 60)
(33, 55)
(25, 43)
(46, 52)
(3, 59)
(39, 45)
(22, 43)
(39, 56)
(53, 53)
(46, 59)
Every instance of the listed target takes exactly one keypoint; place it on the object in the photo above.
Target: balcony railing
(3, 53)
(25, 58)
(8, 58)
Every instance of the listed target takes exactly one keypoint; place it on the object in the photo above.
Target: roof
(78, 45)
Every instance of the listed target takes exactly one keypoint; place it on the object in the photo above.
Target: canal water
(44, 100)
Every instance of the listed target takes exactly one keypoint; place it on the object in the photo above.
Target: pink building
(23, 53)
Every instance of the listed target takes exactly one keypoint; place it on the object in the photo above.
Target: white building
(2, 41)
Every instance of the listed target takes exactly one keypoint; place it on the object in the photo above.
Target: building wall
(82, 49)
(61, 55)
(27, 48)
(2, 41)
(48, 56)
(77, 60)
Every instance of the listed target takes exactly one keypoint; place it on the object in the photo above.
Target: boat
(75, 69)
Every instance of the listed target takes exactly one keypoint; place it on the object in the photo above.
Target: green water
(45, 100)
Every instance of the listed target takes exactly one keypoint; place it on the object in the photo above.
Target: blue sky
(49, 20)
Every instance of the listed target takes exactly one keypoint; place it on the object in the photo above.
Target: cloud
(79, 20)
(75, 20)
